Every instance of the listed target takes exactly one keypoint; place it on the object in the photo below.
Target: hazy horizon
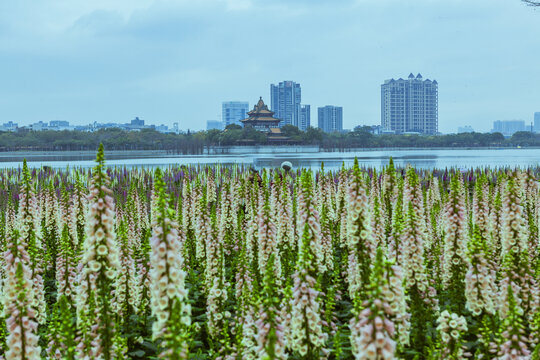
(176, 61)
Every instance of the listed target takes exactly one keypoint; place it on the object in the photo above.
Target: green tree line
(195, 142)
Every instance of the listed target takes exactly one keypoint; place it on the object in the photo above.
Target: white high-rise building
(410, 105)
(234, 111)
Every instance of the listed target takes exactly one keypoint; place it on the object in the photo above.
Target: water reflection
(425, 159)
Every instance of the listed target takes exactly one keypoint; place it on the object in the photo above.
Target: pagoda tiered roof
(261, 114)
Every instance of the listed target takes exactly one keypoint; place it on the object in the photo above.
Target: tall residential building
(330, 118)
(537, 122)
(305, 117)
(508, 127)
(410, 105)
(285, 101)
(233, 111)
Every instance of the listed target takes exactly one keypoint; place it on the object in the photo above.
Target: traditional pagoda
(261, 118)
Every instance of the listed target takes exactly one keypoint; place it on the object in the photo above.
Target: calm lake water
(426, 159)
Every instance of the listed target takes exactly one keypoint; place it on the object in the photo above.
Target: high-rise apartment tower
(305, 117)
(285, 101)
(410, 105)
(330, 118)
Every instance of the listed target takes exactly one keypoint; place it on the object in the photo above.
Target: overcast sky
(176, 61)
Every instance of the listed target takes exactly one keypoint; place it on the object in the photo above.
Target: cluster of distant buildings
(137, 125)
(286, 104)
(408, 106)
(59, 125)
(9, 126)
(509, 127)
(40, 126)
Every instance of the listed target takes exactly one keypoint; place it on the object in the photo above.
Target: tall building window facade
(410, 105)
(285, 99)
(305, 117)
(233, 111)
(330, 118)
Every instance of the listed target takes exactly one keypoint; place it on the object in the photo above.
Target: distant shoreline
(240, 140)
(217, 150)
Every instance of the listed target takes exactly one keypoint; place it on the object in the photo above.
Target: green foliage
(194, 142)
(62, 329)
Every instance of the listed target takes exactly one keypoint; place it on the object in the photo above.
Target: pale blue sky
(168, 61)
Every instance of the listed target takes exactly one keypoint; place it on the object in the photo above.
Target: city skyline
(305, 116)
(85, 61)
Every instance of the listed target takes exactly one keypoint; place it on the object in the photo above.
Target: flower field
(229, 263)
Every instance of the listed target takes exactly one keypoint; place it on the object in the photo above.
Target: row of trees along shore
(195, 142)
